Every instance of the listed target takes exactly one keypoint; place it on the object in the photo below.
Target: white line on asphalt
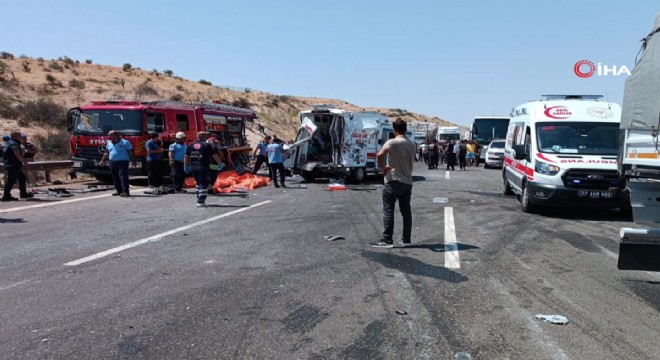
(160, 236)
(452, 260)
(54, 203)
(447, 175)
(14, 285)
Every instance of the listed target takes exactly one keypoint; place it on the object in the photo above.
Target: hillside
(35, 93)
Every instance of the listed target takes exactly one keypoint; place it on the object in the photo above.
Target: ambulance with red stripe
(562, 151)
(333, 142)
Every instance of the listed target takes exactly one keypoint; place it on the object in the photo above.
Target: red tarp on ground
(230, 181)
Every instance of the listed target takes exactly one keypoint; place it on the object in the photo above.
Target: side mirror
(519, 152)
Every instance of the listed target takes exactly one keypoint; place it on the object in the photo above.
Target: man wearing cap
(155, 160)
(198, 158)
(262, 157)
(14, 161)
(177, 155)
(119, 152)
(276, 161)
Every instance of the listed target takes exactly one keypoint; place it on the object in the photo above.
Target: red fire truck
(134, 120)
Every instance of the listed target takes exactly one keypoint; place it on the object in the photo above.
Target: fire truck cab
(89, 126)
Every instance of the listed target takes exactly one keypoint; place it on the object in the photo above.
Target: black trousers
(451, 161)
(155, 176)
(274, 168)
(15, 173)
(393, 191)
(261, 159)
(177, 174)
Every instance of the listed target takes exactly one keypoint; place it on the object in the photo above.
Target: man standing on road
(398, 184)
(276, 161)
(262, 156)
(198, 158)
(177, 155)
(119, 152)
(154, 160)
(13, 161)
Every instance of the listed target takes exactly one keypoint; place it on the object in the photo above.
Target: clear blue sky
(448, 58)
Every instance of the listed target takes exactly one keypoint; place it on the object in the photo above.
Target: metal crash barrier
(46, 166)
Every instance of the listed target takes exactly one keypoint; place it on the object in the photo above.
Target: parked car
(494, 154)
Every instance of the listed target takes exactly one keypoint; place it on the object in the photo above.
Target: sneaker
(201, 205)
(116, 194)
(124, 194)
(277, 186)
(382, 244)
(404, 244)
(9, 199)
(26, 196)
(283, 185)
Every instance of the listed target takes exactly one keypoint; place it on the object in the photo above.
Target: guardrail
(46, 166)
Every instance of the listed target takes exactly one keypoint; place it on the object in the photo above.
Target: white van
(562, 151)
(332, 142)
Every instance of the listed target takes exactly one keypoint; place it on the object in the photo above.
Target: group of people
(271, 154)
(17, 152)
(465, 152)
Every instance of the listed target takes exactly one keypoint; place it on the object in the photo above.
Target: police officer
(197, 159)
(14, 161)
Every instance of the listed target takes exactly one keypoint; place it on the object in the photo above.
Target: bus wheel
(525, 205)
(358, 175)
(308, 176)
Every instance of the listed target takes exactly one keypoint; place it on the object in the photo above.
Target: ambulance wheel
(358, 175)
(525, 205)
(103, 178)
(506, 189)
(308, 176)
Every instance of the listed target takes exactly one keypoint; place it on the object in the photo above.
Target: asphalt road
(153, 277)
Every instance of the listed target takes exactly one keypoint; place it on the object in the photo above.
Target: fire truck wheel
(358, 175)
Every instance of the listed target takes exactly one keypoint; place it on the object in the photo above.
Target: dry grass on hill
(34, 88)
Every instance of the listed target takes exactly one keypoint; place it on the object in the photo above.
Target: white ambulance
(562, 151)
(333, 142)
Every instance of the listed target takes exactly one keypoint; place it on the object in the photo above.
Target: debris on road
(336, 186)
(461, 355)
(400, 312)
(334, 237)
(555, 319)
(440, 200)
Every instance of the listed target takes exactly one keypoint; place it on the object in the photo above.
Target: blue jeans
(119, 170)
(393, 191)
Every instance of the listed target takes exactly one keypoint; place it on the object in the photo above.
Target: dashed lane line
(452, 259)
(160, 236)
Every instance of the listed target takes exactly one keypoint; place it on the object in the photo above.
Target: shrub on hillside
(56, 66)
(146, 89)
(241, 102)
(176, 97)
(7, 110)
(204, 82)
(88, 61)
(67, 60)
(78, 84)
(54, 145)
(40, 59)
(52, 81)
(41, 112)
(127, 67)
(179, 87)
(168, 73)
(26, 66)
(7, 56)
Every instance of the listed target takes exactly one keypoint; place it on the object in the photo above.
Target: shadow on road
(577, 213)
(441, 247)
(18, 220)
(413, 266)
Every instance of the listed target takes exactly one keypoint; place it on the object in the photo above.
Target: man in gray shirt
(398, 183)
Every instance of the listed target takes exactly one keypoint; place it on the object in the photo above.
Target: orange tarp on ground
(230, 181)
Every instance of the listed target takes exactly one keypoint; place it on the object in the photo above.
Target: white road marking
(160, 236)
(14, 285)
(447, 175)
(54, 203)
(452, 260)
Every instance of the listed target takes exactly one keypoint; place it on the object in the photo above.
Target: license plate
(77, 164)
(596, 194)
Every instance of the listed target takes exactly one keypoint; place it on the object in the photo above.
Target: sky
(447, 58)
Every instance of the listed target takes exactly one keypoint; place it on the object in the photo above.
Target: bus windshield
(126, 122)
(484, 130)
(589, 138)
